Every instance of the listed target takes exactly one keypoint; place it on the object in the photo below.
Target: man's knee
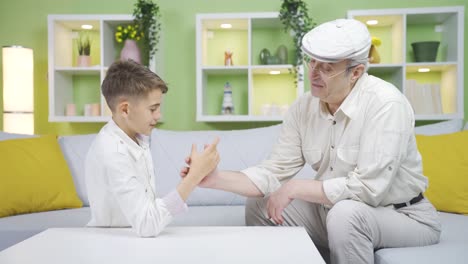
(346, 211)
(347, 217)
(349, 232)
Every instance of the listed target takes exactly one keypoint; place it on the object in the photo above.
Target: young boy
(119, 168)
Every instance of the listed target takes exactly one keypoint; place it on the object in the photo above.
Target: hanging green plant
(296, 21)
(147, 16)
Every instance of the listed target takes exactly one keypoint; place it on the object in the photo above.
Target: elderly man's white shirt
(365, 152)
(121, 187)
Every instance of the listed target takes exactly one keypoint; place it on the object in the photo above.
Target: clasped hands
(202, 165)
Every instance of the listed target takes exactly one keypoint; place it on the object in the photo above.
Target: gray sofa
(238, 149)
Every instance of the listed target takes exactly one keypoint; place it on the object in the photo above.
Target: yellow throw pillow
(445, 163)
(34, 177)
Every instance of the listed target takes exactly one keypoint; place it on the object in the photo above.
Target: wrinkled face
(330, 82)
(145, 112)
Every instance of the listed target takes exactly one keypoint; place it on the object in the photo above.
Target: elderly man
(356, 131)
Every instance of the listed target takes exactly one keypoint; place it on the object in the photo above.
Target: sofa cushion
(451, 249)
(444, 127)
(74, 149)
(35, 177)
(445, 163)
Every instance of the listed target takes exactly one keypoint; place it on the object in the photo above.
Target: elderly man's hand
(279, 200)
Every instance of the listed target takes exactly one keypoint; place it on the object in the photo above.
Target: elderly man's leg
(355, 229)
(299, 213)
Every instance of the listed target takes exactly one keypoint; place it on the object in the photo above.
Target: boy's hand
(201, 163)
(207, 182)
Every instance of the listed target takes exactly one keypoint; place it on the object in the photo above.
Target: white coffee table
(174, 245)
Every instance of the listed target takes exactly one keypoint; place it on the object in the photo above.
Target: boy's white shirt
(121, 187)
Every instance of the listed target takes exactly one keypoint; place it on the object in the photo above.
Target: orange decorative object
(228, 58)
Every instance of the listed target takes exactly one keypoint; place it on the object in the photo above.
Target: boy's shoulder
(112, 145)
(105, 145)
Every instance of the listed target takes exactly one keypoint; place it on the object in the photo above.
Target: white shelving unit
(71, 84)
(253, 84)
(398, 28)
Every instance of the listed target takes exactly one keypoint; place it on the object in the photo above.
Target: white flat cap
(338, 40)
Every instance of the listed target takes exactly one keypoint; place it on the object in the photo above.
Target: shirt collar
(323, 111)
(349, 105)
(136, 150)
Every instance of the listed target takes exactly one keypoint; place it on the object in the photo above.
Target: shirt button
(146, 190)
(331, 168)
(390, 168)
(334, 122)
(332, 146)
(121, 142)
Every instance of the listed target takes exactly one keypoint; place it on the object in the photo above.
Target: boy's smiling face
(144, 113)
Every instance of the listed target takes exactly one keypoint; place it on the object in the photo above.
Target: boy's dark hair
(127, 78)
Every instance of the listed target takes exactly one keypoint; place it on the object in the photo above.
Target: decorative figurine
(228, 106)
(228, 58)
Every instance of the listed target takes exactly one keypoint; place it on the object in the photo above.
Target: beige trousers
(350, 231)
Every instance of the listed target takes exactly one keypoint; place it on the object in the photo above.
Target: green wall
(24, 22)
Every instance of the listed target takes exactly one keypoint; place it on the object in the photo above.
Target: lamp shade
(18, 89)
(22, 123)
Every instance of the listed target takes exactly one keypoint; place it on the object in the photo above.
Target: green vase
(425, 51)
(282, 54)
(264, 55)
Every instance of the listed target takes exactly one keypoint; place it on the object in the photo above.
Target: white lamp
(18, 90)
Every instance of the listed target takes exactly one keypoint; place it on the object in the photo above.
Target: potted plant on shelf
(129, 35)
(84, 49)
(147, 16)
(295, 19)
